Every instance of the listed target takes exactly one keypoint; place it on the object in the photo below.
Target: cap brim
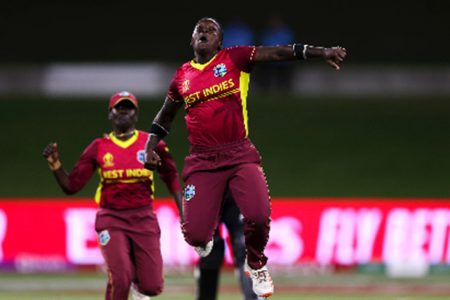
(126, 99)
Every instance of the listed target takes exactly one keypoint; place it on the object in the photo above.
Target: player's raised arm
(160, 128)
(51, 154)
(83, 170)
(334, 56)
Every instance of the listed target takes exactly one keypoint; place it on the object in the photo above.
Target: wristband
(55, 165)
(299, 50)
(158, 130)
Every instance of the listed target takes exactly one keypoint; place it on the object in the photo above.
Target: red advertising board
(57, 233)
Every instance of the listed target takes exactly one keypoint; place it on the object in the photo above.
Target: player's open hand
(51, 153)
(152, 160)
(334, 56)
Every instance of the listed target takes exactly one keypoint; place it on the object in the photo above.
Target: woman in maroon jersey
(213, 88)
(127, 227)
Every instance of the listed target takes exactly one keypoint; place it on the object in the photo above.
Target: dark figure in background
(237, 33)
(208, 269)
(213, 89)
(126, 224)
(276, 76)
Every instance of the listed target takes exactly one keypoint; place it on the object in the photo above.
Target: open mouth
(203, 39)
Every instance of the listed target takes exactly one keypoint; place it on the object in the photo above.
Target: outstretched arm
(334, 56)
(160, 128)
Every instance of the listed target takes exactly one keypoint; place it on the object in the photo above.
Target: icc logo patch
(220, 70)
(140, 155)
(189, 192)
(104, 237)
(108, 160)
(185, 86)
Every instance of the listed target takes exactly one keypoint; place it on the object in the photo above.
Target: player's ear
(110, 115)
(192, 37)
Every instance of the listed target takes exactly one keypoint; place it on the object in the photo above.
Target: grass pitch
(181, 286)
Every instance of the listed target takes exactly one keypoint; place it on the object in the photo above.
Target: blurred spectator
(276, 75)
(237, 32)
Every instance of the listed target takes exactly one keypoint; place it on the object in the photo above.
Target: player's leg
(115, 248)
(201, 206)
(208, 270)
(249, 189)
(232, 218)
(146, 253)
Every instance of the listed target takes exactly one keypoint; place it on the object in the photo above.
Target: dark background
(395, 32)
(311, 146)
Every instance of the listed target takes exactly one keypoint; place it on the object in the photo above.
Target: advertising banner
(52, 234)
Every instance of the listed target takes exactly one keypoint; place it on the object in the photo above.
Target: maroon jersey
(124, 182)
(215, 96)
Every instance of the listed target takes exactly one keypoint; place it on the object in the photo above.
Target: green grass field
(347, 146)
(90, 286)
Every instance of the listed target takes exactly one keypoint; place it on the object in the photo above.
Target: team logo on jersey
(108, 160)
(104, 237)
(140, 155)
(189, 192)
(185, 86)
(220, 70)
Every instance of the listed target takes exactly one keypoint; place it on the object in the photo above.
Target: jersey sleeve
(167, 170)
(173, 93)
(242, 57)
(84, 168)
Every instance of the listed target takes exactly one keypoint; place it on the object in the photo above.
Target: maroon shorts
(207, 173)
(130, 243)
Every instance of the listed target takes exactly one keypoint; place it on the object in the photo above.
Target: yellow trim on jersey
(153, 184)
(134, 180)
(244, 81)
(202, 66)
(98, 192)
(217, 97)
(124, 144)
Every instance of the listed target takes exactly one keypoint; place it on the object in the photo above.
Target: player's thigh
(202, 203)
(249, 189)
(115, 248)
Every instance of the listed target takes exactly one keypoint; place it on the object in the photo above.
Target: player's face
(206, 37)
(123, 115)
